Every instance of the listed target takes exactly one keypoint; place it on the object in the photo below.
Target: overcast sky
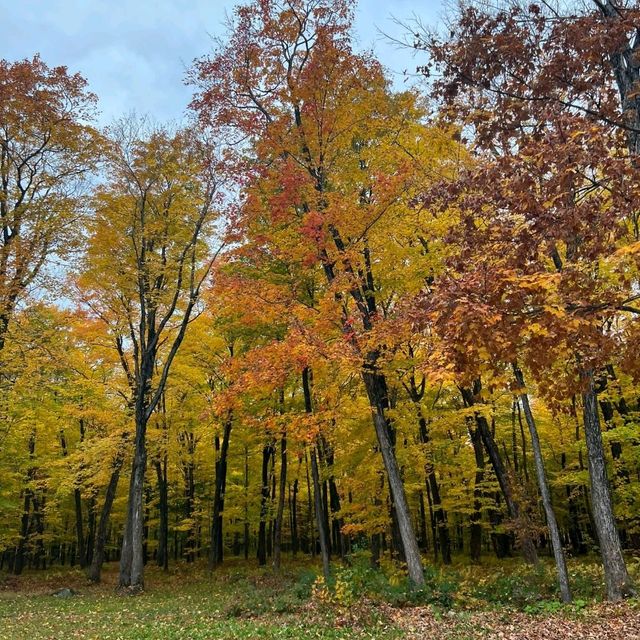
(134, 52)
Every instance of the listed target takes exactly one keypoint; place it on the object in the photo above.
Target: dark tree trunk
(376, 547)
(101, 532)
(376, 386)
(440, 517)
(475, 541)
(424, 538)
(91, 528)
(132, 553)
(163, 508)
(18, 560)
(295, 544)
(216, 552)
(246, 502)
(264, 504)
(277, 537)
(80, 544)
(323, 533)
(515, 512)
(617, 579)
(311, 535)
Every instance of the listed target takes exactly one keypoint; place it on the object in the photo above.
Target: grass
(245, 601)
(235, 603)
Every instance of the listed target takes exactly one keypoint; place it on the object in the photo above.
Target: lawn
(240, 602)
(185, 604)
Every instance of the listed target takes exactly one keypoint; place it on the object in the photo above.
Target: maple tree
(560, 145)
(150, 223)
(47, 149)
(364, 320)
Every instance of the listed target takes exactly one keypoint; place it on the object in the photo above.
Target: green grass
(233, 604)
(245, 601)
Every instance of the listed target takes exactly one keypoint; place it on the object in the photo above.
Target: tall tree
(146, 262)
(550, 96)
(46, 149)
(317, 112)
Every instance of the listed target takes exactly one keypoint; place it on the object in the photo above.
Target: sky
(134, 53)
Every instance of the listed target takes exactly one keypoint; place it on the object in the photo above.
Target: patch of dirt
(601, 622)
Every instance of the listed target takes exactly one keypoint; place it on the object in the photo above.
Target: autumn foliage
(328, 315)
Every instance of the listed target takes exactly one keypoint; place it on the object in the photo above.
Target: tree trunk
(264, 505)
(552, 524)
(439, 514)
(18, 559)
(376, 387)
(216, 552)
(323, 534)
(520, 520)
(322, 531)
(475, 541)
(91, 528)
(101, 532)
(277, 537)
(294, 519)
(132, 555)
(617, 579)
(81, 549)
(163, 508)
(246, 502)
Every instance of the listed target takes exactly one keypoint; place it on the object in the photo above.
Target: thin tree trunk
(101, 532)
(216, 551)
(475, 541)
(521, 521)
(163, 507)
(294, 519)
(264, 506)
(322, 532)
(91, 528)
(81, 549)
(246, 502)
(552, 524)
(18, 560)
(277, 538)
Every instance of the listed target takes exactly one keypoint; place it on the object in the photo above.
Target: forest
(329, 353)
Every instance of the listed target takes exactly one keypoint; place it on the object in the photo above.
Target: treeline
(326, 315)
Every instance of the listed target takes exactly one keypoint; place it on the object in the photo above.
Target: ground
(246, 603)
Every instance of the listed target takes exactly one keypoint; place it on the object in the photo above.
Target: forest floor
(244, 603)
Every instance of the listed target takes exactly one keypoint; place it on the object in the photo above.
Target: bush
(388, 584)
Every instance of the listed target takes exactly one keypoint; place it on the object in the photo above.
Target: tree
(550, 98)
(146, 262)
(46, 150)
(288, 79)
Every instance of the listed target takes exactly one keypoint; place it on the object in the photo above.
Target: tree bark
(475, 541)
(277, 537)
(264, 504)
(376, 387)
(520, 520)
(322, 532)
(543, 485)
(617, 579)
(216, 551)
(162, 558)
(101, 532)
(81, 549)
